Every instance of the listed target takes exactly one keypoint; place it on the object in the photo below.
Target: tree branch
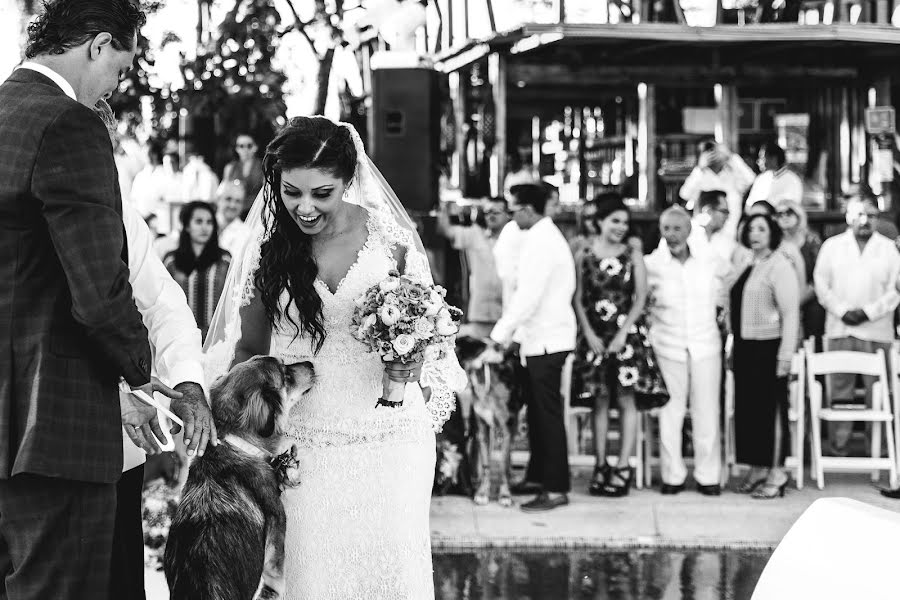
(300, 26)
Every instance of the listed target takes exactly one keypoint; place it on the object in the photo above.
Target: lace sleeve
(442, 376)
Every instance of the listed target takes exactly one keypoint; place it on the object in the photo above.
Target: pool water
(598, 574)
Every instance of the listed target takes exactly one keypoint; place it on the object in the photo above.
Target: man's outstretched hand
(140, 420)
(191, 407)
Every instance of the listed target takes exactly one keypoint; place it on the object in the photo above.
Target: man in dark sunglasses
(247, 169)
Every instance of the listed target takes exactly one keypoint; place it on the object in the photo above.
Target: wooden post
(458, 175)
(646, 146)
(497, 78)
(883, 98)
(561, 5)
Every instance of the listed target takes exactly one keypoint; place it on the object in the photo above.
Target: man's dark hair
(66, 24)
(499, 200)
(775, 151)
(711, 198)
(775, 232)
(551, 189)
(531, 194)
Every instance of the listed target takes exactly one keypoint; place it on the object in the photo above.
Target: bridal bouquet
(406, 322)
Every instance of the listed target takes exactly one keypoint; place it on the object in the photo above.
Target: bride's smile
(313, 199)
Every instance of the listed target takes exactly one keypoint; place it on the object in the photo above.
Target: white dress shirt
(174, 336)
(507, 250)
(847, 279)
(58, 79)
(540, 315)
(734, 179)
(683, 309)
(774, 186)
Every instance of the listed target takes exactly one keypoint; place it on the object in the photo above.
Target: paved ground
(645, 518)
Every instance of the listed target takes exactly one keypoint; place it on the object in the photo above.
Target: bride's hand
(403, 372)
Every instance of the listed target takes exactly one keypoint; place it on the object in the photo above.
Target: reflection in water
(598, 574)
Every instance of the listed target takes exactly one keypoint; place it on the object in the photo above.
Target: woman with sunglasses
(246, 169)
(792, 218)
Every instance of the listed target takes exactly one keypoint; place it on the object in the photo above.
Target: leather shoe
(525, 488)
(895, 493)
(668, 489)
(544, 502)
(710, 490)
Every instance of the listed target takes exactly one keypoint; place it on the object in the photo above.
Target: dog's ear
(260, 410)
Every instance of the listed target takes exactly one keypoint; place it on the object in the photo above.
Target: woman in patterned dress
(199, 265)
(614, 356)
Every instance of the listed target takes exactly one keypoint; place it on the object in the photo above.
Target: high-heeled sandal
(748, 486)
(626, 474)
(768, 491)
(598, 479)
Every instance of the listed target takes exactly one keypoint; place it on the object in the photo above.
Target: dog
(495, 404)
(227, 536)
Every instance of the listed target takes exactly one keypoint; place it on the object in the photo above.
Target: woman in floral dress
(614, 356)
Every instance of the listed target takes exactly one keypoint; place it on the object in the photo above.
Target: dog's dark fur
(228, 531)
(494, 409)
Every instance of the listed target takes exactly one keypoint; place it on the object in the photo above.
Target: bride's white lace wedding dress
(357, 526)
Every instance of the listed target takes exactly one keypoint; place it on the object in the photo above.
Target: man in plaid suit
(69, 327)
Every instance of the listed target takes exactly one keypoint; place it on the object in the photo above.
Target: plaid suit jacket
(69, 327)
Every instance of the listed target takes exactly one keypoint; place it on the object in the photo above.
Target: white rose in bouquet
(404, 343)
(389, 314)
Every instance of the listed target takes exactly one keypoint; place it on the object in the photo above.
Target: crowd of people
(738, 280)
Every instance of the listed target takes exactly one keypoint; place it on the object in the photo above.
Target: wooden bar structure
(623, 106)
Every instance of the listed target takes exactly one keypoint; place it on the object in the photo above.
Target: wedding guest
(765, 322)
(507, 250)
(198, 182)
(177, 351)
(614, 355)
(708, 233)
(553, 199)
(199, 265)
(719, 169)
(246, 168)
(792, 219)
(775, 180)
(744, 256)
(233, 232)
(684, 330)
(485, 287)
(855, 280)
(157, 186)
(586, 226)
(70, 328)
(541, 317)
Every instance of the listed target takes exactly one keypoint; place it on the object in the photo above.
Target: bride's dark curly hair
(286, 260)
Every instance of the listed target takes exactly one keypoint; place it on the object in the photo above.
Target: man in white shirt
(485, 287)
(719, 169)
(855, 280)
(684, 286)
(541, 317)
(233, 232)
(708, 227)
(775, 182)
(177, 353)
(198, 182)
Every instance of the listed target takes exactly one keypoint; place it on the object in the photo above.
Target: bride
(327, 227)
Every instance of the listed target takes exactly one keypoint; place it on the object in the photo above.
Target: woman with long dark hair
(198, 264)
(326, 229)
(614, 359)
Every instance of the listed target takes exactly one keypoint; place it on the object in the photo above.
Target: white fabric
(847, 279)
(734, 179)
(154, 190)
(233, 237)
(358, 523)
(540, 312)
(198, 182)
(683, 311)
(697, 379)
(58, 79)
(507, 250)
(775, 186)
(173, 333)
(838, 549)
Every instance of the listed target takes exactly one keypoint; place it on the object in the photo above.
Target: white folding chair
(729, 465)
(797, 416)
(894, 372)
(861, 363)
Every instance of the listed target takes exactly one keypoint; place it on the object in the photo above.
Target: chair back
(872, 364)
